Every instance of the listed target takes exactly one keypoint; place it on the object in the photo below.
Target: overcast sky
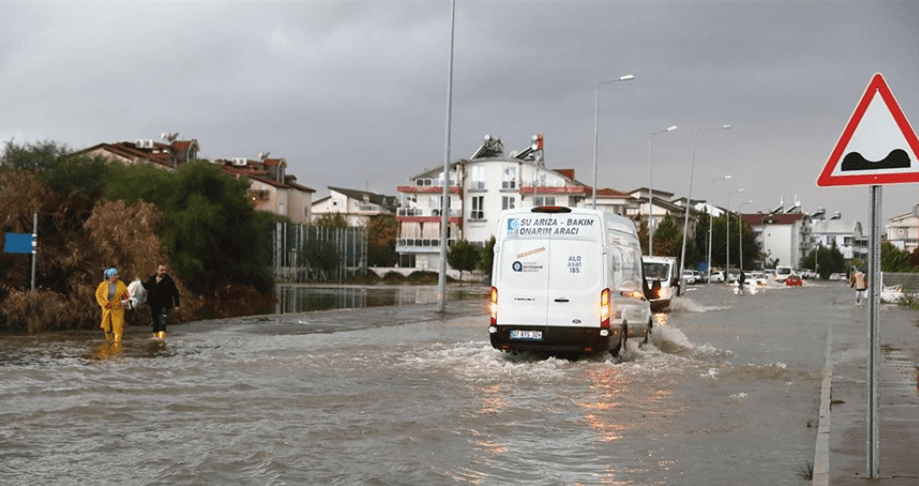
(353, 93)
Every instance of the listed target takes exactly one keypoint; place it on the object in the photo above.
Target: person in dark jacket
(162, 298)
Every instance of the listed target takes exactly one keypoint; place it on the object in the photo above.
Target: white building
(479, 188)
(785, 238)
(357, 207)
(846, 236)
(903, 230)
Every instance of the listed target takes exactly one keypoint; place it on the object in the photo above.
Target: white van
(663, 281)
(567, 280)
(782, 272)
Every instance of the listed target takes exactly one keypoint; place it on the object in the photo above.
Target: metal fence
(305, 253)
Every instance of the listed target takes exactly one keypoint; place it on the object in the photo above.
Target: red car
(793, 280)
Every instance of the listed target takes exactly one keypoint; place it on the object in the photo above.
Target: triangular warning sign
(878, 145)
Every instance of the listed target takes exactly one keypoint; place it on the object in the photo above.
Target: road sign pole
(34, 248)
(874, 285)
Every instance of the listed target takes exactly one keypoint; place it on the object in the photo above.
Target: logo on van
(513, 224)
(517, 266)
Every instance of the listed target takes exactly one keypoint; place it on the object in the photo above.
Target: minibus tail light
(606, 308)
(493, 306)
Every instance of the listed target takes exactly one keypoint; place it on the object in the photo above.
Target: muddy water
(727, 393)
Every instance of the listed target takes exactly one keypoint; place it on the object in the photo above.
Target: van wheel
(621, 344)
(648, 334)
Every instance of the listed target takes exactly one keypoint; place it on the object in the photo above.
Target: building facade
(357, 207)
(271, 189)
(903, 230)
(479, 189)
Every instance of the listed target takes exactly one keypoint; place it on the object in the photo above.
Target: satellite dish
(263, 155)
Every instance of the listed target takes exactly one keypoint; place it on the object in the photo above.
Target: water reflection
(302, 298)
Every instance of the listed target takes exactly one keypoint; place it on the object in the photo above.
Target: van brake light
(493, 306)
(606, 308)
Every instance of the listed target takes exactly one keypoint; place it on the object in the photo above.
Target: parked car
(758, 278)
(717, 277)
(837, 276)
(689, 276)
(793, 280)
(808, 274)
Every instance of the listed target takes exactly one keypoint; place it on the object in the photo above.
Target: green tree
(487, 257)
(668, 239)
(212, 233)
(463, 256)
(894, 259)
(34, 157)
(381, 241)
(331, 221)
(826, 260)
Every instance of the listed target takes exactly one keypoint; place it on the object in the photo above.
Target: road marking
(822, 453)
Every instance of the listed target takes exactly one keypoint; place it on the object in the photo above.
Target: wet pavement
(846, 404)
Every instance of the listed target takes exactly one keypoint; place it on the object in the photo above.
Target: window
(478, 208)
(478, 177)
(509, 179)
(543, 200)
(508, 202)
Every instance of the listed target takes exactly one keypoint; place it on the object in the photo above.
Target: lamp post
(692, 169)
(711, 217)
(727, 236)
(740, 238)
(651, 191)
(627, 77)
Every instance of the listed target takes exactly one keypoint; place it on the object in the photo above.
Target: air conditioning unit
(144, 144)
(240, 162)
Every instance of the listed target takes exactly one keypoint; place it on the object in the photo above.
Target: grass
(806, 471)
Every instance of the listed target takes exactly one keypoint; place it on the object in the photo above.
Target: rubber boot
(109, 337)
(117, 338)
(161, 335)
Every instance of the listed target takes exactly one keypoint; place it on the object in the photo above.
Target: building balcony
(421, 189)
(567, 190)
(420, 245)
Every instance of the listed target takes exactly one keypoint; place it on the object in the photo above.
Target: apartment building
(271, 188)
(478, 189)
(903, 230)
(357, 207)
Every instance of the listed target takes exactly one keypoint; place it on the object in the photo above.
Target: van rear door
(551, 266)
(576, 273)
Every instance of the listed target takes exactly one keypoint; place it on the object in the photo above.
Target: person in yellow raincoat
(111, 296)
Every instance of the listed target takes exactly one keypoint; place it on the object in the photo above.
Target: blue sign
(18, 243)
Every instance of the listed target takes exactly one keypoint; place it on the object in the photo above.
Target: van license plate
(528, 335)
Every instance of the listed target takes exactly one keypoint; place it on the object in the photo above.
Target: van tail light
(493, 306)
(606, 308)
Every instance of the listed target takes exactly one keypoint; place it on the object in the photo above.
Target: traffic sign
(878, 145)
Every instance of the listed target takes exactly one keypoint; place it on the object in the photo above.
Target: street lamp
(740, 215)
(711, 217)
(627, 77)
(692, 168)
(651, 190)
(727, 236)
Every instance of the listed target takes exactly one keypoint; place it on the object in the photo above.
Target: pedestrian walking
(740, 281)
(162, 298)
(111, 296)
(859, 281)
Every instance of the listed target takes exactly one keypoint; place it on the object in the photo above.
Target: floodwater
(294, 298)
(726, 393)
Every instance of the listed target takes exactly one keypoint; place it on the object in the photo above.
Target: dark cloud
(353, 93)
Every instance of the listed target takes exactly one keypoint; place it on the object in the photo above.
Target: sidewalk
(843, 430)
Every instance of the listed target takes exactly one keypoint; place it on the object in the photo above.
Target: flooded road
(726, 393)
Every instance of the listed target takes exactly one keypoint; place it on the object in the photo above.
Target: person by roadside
(111, 296)
(162, 298)
(859, 282)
